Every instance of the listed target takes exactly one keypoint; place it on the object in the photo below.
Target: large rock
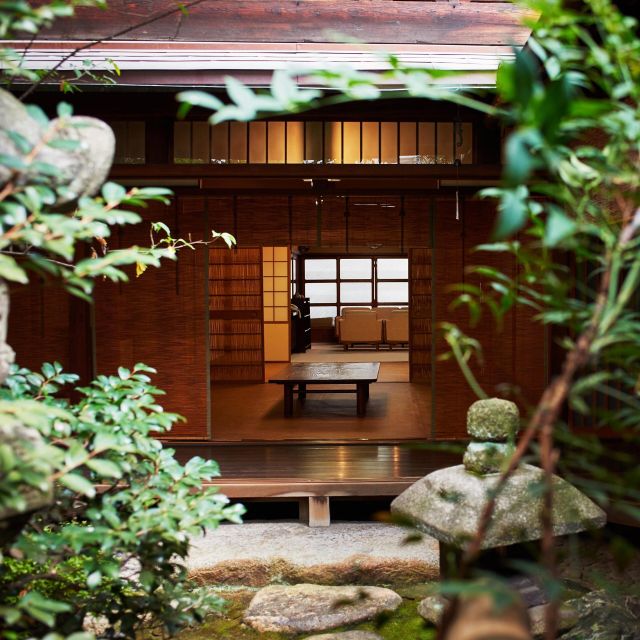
(602, 617)
(82, 169)
(447, 505)
(308, 607)
(493, 419)
(21, 439)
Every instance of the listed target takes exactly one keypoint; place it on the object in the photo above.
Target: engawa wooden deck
(313, 473)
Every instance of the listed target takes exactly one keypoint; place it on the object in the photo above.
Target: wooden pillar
(314, 511)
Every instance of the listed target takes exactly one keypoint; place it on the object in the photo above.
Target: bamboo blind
(159, 318)
(235, 315)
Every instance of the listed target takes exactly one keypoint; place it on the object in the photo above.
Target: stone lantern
(448, 503)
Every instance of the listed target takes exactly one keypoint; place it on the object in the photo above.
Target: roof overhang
(164, 63)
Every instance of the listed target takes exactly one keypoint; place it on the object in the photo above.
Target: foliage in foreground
(568, 217)
(115, 551)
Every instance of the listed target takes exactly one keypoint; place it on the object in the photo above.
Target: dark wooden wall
(39, 322)
(295, 221)
(514, 354)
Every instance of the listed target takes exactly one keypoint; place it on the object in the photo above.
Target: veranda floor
(337, 470)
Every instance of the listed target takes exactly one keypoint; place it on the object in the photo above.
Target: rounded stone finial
(493, 420)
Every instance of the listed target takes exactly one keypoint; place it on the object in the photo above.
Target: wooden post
(314, 511)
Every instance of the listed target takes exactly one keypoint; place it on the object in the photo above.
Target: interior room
(361, 218)
(343, 298)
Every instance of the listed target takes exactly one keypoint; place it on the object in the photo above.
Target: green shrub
(113, 542)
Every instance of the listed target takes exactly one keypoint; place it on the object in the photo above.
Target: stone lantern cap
(448, 503)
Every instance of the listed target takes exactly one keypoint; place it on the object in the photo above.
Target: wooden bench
(313, 497)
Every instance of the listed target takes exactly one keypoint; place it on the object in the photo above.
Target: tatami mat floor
(396, 409)
(327, 352)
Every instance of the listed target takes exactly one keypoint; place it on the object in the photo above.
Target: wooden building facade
(396, 178)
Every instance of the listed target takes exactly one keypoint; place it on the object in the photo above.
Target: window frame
(338, 280)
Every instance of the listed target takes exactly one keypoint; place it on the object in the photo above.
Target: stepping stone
(347, 635)
(309, 607)
(431, 609)
(257, 554)
(567, 618)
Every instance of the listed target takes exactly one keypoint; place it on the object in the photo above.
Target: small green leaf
(113, 193)
(558, 228)
(79, 484)
(64, 144)
(161, 226)
(65, 110)
(202, 99)
(239, 92)
(94, 579)
(105, 468)
(10, 270)
(512, 212)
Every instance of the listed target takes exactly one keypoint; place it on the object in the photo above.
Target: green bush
(112, 544)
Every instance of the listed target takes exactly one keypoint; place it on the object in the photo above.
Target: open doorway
(356, 281)
(358, 308)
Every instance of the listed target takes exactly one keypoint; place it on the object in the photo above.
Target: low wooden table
(302, 374)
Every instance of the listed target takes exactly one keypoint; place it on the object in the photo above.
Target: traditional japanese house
(366, 204)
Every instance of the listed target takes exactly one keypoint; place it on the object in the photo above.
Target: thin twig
(543, 422)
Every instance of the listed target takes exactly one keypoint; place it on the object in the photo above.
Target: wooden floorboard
(335, 462)
(292, 471)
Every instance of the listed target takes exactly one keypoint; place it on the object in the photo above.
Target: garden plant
(95, 515)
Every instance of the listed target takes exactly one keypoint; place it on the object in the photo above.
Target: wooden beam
(306, 171)
(374, 21)
(294, 489)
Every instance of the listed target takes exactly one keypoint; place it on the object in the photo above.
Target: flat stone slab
(447, 504)
(311, 607)
(258, 554)
(347, 635)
